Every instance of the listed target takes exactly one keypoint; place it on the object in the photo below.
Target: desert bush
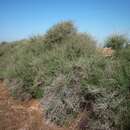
(21, 68)
(6, 51)
(90, 80)
(59, 32)
(124, 58)
(65, 68)
(117, 41)
(36, 66)
(120, 43)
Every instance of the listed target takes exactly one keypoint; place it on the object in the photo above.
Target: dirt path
(16, 115)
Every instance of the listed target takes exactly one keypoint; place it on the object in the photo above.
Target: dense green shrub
(92, 80)
(116, 41)
(58, 33)
(65, 68)
(6, 51)
(124, 57)
(34, 64)
(120, 44)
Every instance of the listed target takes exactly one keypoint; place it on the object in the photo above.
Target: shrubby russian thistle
(72, 76)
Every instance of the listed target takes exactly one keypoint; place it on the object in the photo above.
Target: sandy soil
(16, 115)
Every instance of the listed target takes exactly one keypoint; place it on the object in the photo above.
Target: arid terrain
(63, 80)
(16, 115)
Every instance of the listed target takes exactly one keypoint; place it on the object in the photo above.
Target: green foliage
(65, 68)
(58, 33)
(123, 56)
(116, 41)
(6, 51)
(92, 80)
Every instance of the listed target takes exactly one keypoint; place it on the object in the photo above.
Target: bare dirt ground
(16, 115)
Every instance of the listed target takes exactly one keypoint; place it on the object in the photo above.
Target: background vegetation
(65, 69)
